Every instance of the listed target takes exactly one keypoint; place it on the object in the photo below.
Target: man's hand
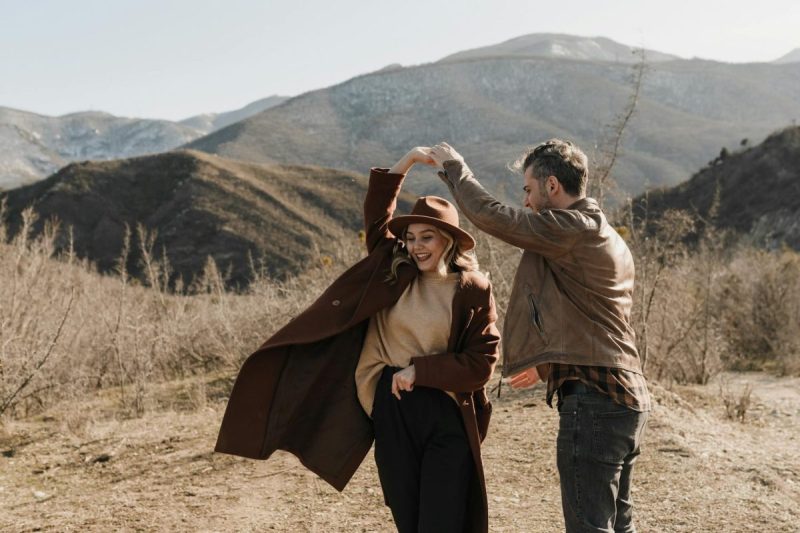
(525, 379)
(404, 380)
(418, 154)
(444, 152)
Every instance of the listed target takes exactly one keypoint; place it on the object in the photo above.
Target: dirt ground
(78, 468)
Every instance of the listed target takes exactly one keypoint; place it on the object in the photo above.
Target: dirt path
(72, 471)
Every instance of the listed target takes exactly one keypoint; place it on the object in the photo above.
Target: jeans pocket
(614, 435)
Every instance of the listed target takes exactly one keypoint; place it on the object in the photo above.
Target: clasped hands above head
(434, 156)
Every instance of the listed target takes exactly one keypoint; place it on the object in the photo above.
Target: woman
(311, 388)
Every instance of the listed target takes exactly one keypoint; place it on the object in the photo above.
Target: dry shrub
(761, 311)
(736, 402)
(66, 330)
(717, 302)
(33, 336)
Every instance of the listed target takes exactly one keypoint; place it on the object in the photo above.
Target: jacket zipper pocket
(536, 318)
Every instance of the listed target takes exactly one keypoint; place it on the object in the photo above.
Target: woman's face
(426, 245)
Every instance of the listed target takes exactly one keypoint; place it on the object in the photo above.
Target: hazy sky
(176, 58)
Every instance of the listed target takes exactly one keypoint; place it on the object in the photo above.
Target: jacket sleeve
(551, 233)
(471, 368)
(379, 205)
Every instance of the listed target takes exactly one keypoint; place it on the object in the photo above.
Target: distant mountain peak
(209, 122)
(33, 145)
(90, 115)
(791, 57)
(557, 45)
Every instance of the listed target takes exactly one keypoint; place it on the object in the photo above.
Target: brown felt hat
(436, 212)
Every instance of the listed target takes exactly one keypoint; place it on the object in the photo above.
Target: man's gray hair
(558, 158)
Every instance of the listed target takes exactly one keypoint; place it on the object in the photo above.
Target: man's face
(536, 196)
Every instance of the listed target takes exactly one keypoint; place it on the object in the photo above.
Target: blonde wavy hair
(456, 259)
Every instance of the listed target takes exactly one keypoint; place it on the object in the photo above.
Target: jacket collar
(585, 204)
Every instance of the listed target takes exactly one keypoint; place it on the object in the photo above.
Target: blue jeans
(598, 442)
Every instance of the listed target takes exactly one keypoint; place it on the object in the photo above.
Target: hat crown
(435, 207)
(437, 212)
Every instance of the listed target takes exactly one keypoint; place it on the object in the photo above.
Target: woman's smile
(426, 245)
(421, 257)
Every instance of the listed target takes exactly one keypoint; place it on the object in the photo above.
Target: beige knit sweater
(417, 325)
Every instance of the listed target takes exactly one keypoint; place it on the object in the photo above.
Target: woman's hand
(404, 380)
(419, 154)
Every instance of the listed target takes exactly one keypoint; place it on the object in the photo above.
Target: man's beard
(545, 205)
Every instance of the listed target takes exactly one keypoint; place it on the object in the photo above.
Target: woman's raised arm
(381, 200)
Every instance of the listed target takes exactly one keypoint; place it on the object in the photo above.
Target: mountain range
(33, 146)
(491, 107)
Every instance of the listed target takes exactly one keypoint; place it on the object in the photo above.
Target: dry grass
(66, 331)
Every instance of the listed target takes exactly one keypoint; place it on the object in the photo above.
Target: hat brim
(464, 239)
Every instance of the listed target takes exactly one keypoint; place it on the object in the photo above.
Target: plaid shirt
(625, 387)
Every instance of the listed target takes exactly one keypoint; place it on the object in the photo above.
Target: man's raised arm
(550, 233)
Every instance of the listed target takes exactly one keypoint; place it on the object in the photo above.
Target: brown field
(80, 468)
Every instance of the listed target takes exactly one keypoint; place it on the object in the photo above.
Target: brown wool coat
(297, 392)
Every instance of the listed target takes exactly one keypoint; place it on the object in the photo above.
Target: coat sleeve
(379, 205)
(471, 368)
(551, 233)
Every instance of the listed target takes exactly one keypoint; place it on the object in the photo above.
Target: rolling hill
(202, 205)
(759, 191)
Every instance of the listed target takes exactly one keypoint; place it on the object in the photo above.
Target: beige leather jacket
(573, 290)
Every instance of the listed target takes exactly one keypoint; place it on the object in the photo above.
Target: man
(568, 321)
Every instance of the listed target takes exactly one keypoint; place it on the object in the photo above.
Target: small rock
(9, 453)
(102, 458)
(39, 495)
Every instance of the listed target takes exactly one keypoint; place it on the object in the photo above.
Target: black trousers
(423, 457)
